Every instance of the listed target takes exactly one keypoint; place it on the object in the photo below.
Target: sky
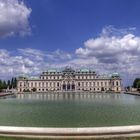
(103, 35)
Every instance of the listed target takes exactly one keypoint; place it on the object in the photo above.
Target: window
(20, 83)
(90, 83)
(113, 83)
(46, 84)
(101, 83)
(78, 83)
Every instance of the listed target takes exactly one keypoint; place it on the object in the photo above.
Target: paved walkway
(132, 93)
(89, 132)
(5, 94)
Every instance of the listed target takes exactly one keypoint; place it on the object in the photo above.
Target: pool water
(70, 110)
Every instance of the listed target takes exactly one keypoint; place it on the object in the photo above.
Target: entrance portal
(68, 86)
(73, 87)
(64, 87)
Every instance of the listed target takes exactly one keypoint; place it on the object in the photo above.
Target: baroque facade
(70, 80)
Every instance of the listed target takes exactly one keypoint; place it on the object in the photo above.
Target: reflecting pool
(70, 110)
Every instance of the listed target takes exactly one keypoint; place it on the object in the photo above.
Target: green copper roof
(52, 70)
(84, 70)
(115, 74)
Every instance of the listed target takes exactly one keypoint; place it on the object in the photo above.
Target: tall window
(90, 83)
(35, 84)
(78, 83)
(101, 83)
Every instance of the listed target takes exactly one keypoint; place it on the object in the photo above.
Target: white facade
(70, 80)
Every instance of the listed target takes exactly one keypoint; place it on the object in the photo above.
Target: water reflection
(69, 96)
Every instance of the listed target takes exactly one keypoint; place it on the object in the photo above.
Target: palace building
(70, 80)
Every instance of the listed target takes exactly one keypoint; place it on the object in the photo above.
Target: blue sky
(36, 35)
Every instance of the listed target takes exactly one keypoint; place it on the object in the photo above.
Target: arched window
(117, 83)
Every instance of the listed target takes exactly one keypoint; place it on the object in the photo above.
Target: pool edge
(65, 133)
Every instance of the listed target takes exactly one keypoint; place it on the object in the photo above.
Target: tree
(4, 85)
(8, 84)
(0, 86)
(34, 89)
(26, 90)
(128, 88)
(15, 83)
(138, 86)
(135, 82)
(12, 83)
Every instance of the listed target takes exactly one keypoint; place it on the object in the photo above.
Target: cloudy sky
(100, 34)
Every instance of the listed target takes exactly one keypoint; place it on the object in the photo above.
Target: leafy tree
(26, 90)
(8, 84)
(0, 84)
(138, 86)
(4, 85)
(12, 83)
(128, 88)
(34, 89)
(15, 83)
(135, 82)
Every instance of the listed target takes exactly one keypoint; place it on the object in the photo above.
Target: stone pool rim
(81, 132)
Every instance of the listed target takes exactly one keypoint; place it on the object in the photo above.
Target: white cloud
(14, 18)
(115, 50)
(30, 61)
(32, 53)
(106, 53)
(59, 55)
